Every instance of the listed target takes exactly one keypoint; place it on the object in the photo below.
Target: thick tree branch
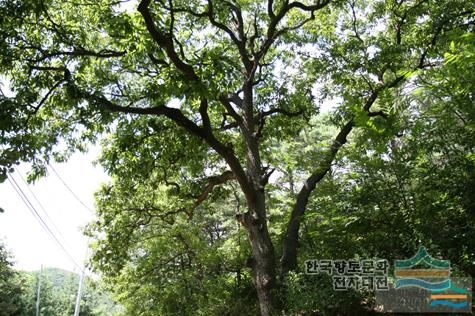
(238, 18)
(46, 96)
(165, 41)
(290, 242)
(238, 40)
(224, 126)
(309, 8)
(378, 113)
(272, 29)
(291, 237)
(261, 119)
(281, 111)
(105, 53)
(204, 114)
(226, 152)
(226, 102)
(355, 28)
(240, 43)
(270, 9)
(212, 182)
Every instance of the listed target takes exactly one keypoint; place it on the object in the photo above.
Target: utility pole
(38, 292)
(78, 298)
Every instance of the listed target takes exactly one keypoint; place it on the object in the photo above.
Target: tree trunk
(263, 267)
(263, 261)
(255, 219)
(291, 238)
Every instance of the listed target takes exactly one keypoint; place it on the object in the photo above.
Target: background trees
(11, 288)
(58, 294)
(18, 292)
(204, 103)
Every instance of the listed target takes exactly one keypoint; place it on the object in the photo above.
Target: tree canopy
(212, 113)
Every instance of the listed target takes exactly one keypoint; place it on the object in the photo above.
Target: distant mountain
(58, 294)
(57, 276)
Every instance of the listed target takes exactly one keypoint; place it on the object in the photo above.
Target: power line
(41, 206)
(40, 220)
(69, 189)
(38, 217)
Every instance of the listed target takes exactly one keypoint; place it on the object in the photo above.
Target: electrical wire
(72, 193)
(70, 190)
(40, 220)
(41, 207)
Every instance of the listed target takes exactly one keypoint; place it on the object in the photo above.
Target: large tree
(209, 89)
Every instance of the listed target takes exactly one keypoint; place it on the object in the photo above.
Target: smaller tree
(11, 286)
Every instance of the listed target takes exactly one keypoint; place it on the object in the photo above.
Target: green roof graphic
(422, 256)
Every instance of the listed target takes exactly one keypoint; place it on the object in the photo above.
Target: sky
(29, 244)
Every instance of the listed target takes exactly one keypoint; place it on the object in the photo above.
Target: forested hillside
(58, 292)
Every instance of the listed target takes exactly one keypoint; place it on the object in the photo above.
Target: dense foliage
(227, 171)
(11, 287)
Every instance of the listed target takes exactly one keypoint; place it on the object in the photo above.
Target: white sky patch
(380, 25)
(326, 104)
(128, 6)
(372, 51)
(5, 87)
(422, 19)
(329, 105)
(174, 103)
(30, 244)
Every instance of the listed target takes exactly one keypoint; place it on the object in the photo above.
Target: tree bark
(255, 219)
(291, 237)
(263, 261)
